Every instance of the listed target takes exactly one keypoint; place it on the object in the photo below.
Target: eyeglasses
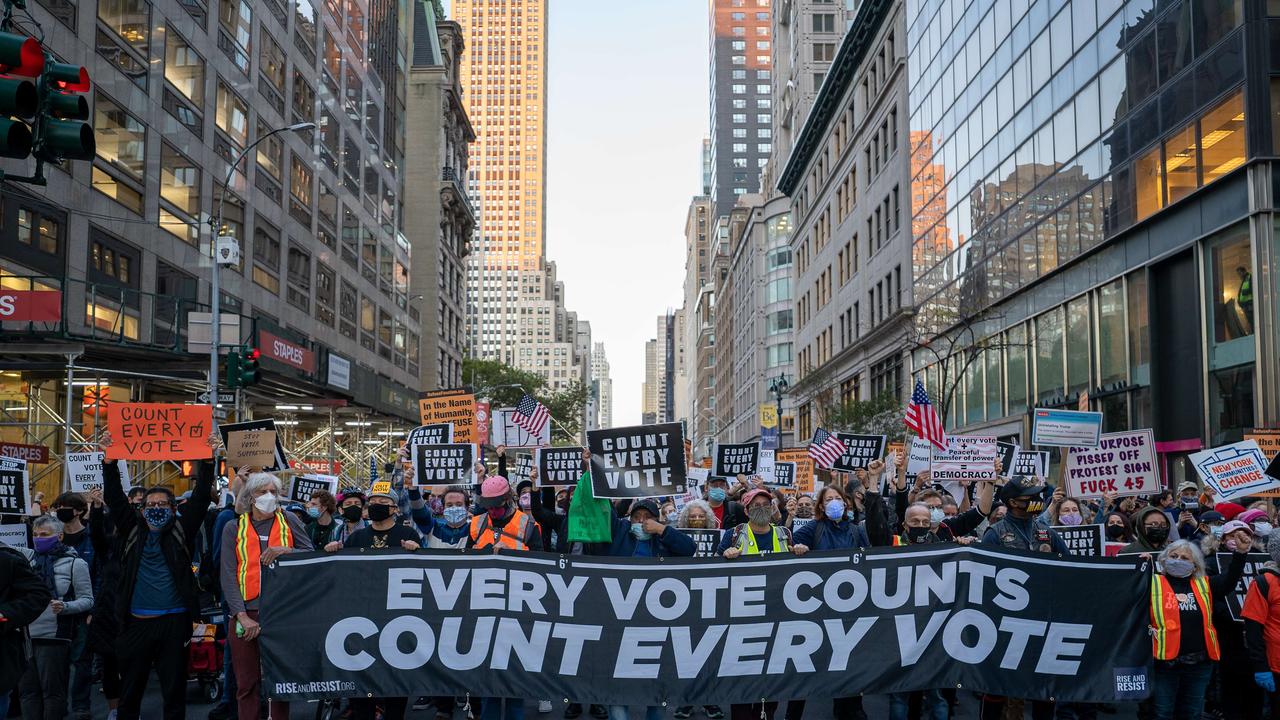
(161, 504)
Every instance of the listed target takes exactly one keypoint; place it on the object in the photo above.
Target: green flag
(590, 520)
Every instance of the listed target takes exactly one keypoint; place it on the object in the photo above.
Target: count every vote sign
(637, 462)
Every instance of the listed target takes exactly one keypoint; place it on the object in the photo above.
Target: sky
(627, 111)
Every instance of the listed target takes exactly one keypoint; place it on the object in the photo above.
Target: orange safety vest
(484, 535)
(249, 551)
(1166, 618)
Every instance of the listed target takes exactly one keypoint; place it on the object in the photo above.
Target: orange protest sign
(451, 406)
(1269, 442)
(804, 466)
(159, 431)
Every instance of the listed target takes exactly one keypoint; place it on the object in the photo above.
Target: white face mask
(266, 502)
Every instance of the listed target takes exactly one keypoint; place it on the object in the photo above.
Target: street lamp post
(778, 387)
(215, 226)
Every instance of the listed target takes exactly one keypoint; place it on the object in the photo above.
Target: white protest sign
(521, 470)
(1123, 463)
(302, 486)
(765, 466)
(918, 457)
(967, 457)
(84, 471)
(14, 536)
(1234, 470)
(695, 480)
(504, 431)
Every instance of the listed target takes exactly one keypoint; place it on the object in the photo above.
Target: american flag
(825, 448)
(922, 418)
(531, 415)
(373, 470)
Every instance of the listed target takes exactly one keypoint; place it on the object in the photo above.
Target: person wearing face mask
(43, 687)
(351, 508)
(450, 530)
(1117, 528)
(1151, 531)
(800, 512)
(321, 508)
(1184, 639)
(1260, 523)
(24, 597)
(697, 515)
(880, 527)
(72, 511)
(728, 513)
(502, 525)
(384, 531)
(1070, 512)
(832, 530)
(261, 533)
(156, 598)
(136, 495)
(757, 536)
(1232, 691)
(1261, 615)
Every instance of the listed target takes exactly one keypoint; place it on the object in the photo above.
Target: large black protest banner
(637, 462)
(736, 459)
(444, 464)
(559, 466)
(624, 631)
(1252, 564)
(860, 450)
(1082, 540)
(281, 459)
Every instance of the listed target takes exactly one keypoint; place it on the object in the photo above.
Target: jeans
(491, 709)
(932, 706)
(81, 673)
(1177, 689)
(619, 712)
(159, 642)
(43, 686)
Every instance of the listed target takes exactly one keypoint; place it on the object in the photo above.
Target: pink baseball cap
(493, 491)
(1249, 516)
(752, 494)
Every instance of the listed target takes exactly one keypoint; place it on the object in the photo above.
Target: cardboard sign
(279, 462)
(506, 432)
(457, 407)
(804, 466)
(1253, 562)
(521, 470)
(1008, 453)
(559, 466)
(860, 450)
(159, 431)
(784, 475)
(708, 541)
(30, 453)
(251, 448)
(15, 536)
(433, 434)
(444, 464)
(1269, 442)
(84, 470)
(1234, 470)
(918, 457)
(302, 486)
(1065, 428)
(1122, 463)
(1031, 462)
(637, 462)
(967, 457)
(1082, 540)
(15, 491)
(732, 459)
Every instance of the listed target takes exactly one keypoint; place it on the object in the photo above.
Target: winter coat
(671, 543)
(71, 584)
(1143, 544)
(23, 597)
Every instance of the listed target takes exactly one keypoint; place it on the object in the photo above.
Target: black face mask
(352, 513)
(1115, 532)
(65, 514)
(1157, 534)
(918, 534)
(378, 513)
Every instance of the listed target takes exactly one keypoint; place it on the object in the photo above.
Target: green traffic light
(233, 369)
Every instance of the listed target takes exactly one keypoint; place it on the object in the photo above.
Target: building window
(1049, 336)
(739, 45)
(127, 44)
(778, 322)
(738, 59)
(232, 114)
(236, 19)
(778, 290)
(271, 63)
(300, 189)
(113, 262)
(266, 256)
(1231, 294)
(299, 273)
(779, 354)
(121, 141)
(36, 230)
(824, 52)
(183, 67)
(738, 89)
(180, 188)
(270, 151)
(823, 22)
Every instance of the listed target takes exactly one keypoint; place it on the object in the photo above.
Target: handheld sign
(1031, 462)
(1008, 454)
(695, 480)
(1082, 540)
(380, 487)
(804, 466)
(860, 450)
(159, 431)
(706, 540)
(505, 431)
(637, 462)
(1269, 442)
(918, 456)
(456, 407)
(1253, 562)
(251, 448)
(15, 493)
(521, 470)
(84, 470)
(736, 459)
(559, 466)
(444, 464)
(1065, 428)
(433, 434)
(967, 457)
(278, 462)
(15, 536)
(302, 486)
(1122, 463)
(1234, 470)
(784, 475)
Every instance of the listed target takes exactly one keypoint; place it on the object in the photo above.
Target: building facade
(1094, 206)
(602, 386)
(847, 180)
(741, 98)
(439, 217)
(697, 274)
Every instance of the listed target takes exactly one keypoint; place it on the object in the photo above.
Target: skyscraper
(741, 98)
(504, 76)
(602, 385)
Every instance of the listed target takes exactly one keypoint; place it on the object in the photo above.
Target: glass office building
(1093, 211)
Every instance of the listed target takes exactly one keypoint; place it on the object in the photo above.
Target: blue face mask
(936, 515)
(638, 530)
(157, 517)
(313, 512)
(455, 515)
(835, 509)
(717, 495)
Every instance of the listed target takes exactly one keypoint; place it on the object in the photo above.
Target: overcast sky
(627, 111)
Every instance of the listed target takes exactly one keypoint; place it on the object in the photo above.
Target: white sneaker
(544, 706)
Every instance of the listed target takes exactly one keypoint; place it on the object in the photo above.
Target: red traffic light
(253, 354)
(21, 55)
(70, 78)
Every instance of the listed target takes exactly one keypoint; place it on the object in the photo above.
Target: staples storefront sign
(30, 305)
(287, 352)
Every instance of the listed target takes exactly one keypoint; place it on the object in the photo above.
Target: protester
(24, 597)
(157, 596)
(832, 530)
(1233, 691)
(1151, 530)
(351, 507)
(321, 508)
(1183, 638)
(262, 532)
(43, 686)
(1117, 527)
(728, 513)
(1260, 523)
(697, 515)
(451, 529)
(136, 497)
(73, 511)
(384, 529)
(1065, 510)
(918, 529)
(1262, 625)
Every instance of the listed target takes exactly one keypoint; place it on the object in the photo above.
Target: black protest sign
(281, 460)
(15, 496)
(860, 450)
(1082, 540)
(444, 464)
(736, 459)
(433, 434)
(520, 470)
(784, 474)
(302, 486)
(683, 631)
(1031, 462)
(559, 466)
(1252, 564)
(707, 540)
(1007, 452)
(637, 462)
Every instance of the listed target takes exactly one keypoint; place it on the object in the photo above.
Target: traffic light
(43, 108)
(232, 371)
(21, 63)
(61, 133)
(249, 367)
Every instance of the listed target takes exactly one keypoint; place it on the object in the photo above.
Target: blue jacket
(843, 535)
(671, 543)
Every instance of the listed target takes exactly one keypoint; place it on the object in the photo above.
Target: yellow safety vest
(747, 541)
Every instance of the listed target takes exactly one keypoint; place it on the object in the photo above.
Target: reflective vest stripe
(249, 551)
(484, 535)
(897, 541)
(1166, 618)
(747, 541)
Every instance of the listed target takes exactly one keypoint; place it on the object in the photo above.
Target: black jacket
(23, 596)
(177, 540)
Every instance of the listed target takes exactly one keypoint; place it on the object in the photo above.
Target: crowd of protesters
(112, 581)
